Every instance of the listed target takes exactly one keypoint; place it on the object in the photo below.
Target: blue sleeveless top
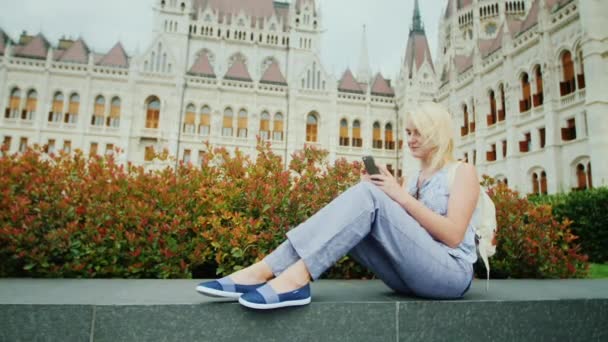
(434, 194)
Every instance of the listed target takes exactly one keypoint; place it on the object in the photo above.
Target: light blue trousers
(378, 233)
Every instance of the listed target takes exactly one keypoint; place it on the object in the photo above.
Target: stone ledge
(168, 310)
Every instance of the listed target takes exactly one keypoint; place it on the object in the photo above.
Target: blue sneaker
(265, 298)
(225, 288)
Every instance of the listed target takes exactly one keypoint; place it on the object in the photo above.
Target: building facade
(524, 81)
(228, 71)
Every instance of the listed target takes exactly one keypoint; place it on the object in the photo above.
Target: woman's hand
(387, 183)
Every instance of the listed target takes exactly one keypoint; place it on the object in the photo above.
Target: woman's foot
(233, 286)
(254, 274)
(290, 288)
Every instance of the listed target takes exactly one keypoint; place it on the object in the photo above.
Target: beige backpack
(485, 225)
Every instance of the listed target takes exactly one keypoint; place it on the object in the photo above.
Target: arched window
(464, 130)
(581, 177)
(243, 123)
(99, 111)
(30, 105)
(344, 140)
(56, 113)
(152, 112)
(311, 128)
(491, 118)
(265, 125)
(277, 127)
(589, 178)
(114, 118)
(581, 68)
(535, 184)
(538, 97)
(227, 122)
(14, 103)
(73, 109)
(543, 183)
(357, 140)
(568, 86)
(377, 136)
(389, 140)
(204, 126)
(525, 104)
(189, 119)
(502, 112)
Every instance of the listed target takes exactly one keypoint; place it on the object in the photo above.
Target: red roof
(381, 86)
(37, 48)
(417, 51)
(532, 17)
(348, 83)
(116, 57)
(463, 63)
(238, 71)
(514, 26)
(273, 75)
(488, 46)
(464, 3)
(202, 66)
(77, 53)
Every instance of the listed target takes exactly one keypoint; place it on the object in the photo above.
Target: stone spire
(417, 25)
(364, 72)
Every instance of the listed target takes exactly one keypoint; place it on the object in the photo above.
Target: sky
(101, 23)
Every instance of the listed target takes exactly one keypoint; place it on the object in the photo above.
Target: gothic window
(377, 135)
(277, 127)
(30, 105)
(152, 112)
(581, 68)
(568, 86)
(491, 118)
(357, 140)
(242, 124)
(311, 127)
(265, 125)
(204, 126)
(464, 130)
(388, 137)
(73, 109)
(14, 103)
(99, 110)
(538, 97)
(525, 104)
(114, 118)
(344, 140)
(57, 109)
(190, 119)
(227, 122)
(502, 113)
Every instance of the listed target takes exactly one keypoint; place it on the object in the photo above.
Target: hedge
(68, 215)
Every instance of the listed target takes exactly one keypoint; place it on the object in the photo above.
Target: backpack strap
(482, 249)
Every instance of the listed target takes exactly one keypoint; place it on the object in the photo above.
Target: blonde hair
(434, 124)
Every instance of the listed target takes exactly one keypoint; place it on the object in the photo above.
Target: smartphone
(370, 165)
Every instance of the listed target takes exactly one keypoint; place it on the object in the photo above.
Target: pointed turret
(349, 84)
(417, 25)
(37, 47)
(418, 50)
(238, 71)
(78, 52)
(116, 57)
(202, 66)
(273, 75)
(364, 72)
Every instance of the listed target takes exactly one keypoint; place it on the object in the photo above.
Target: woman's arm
(462, 201)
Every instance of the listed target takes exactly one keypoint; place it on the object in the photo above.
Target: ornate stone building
(524, 80)
(226, 71)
